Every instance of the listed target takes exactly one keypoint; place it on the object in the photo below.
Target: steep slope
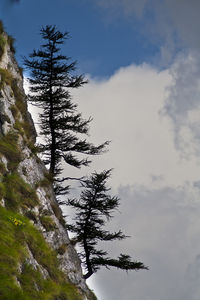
(37, 260)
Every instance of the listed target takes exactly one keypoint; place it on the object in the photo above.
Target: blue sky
(143, 64)
(99, 45)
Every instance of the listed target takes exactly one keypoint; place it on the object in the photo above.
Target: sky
(143, 64)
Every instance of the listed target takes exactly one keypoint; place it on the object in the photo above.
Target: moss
(47, 222)
(13, 245)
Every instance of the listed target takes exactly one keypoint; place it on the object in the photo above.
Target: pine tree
(93, 209)
(50, 81)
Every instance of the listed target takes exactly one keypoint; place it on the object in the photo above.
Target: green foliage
(24, 126)
(19, 96)
(16, 222)
(47, 222)
(13, 252)
(9, 148)
(6, 76)
(18, 193)
(93, 209)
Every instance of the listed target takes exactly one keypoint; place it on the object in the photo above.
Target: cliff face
(37, 259)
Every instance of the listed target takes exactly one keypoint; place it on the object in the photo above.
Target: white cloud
(183, 103)
(126, 109)
(160, 207)
(164, 225)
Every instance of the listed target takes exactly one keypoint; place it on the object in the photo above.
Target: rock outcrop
(37, 259)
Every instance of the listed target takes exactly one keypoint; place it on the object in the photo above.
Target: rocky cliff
(37, 260)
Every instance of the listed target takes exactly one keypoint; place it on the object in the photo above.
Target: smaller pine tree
(93, 209)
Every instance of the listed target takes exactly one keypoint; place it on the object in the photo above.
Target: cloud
(173, 25)
(127, 110)
(183, 103)
(164, 225)
(159, 190)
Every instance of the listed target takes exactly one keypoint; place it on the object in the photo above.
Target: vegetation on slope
(19, 280)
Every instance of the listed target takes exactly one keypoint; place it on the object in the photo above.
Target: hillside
(37, 260)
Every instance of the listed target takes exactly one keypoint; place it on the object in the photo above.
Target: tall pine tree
(93, 209)
(50, 81)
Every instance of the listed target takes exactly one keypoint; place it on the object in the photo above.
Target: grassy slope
(14, 267)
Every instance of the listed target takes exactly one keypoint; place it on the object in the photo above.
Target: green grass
(18, 194)
(6, 76)
(21, 106)
(10, 149)
(48, 223)
(13, 252)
